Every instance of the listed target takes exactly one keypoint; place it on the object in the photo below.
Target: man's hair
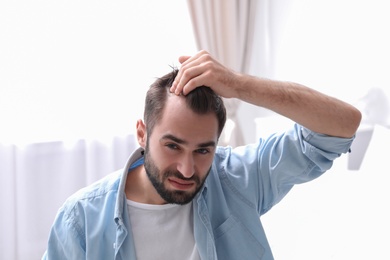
(202, 100)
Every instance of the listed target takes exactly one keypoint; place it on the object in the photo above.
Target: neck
(140, 189)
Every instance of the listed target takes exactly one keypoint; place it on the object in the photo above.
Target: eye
(172, 146)
(203, 151)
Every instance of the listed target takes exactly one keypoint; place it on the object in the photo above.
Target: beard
(158, 177)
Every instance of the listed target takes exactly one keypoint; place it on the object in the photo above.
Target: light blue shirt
(243, 184)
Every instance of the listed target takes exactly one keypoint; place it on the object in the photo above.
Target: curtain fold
(225, 29)
(7, 201)
(36, 179)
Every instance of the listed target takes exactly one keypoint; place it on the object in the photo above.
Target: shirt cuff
(326, 142)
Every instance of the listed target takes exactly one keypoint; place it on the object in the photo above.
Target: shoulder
(93, 197)
(226, 156)
(84, 214)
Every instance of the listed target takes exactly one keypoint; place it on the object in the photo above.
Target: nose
(186, 166)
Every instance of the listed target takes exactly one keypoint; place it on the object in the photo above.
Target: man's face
(180, 151)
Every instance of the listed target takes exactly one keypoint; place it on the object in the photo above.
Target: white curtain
(36, 179)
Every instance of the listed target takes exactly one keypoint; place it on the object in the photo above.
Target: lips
(181, 184)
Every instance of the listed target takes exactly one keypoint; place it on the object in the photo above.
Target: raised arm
(318, 112)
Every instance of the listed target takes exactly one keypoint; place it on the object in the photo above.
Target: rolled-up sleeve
(272, 166)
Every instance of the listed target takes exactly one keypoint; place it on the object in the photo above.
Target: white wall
(342, 215)
(342, 49)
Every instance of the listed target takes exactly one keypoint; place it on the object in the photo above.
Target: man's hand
(203, 70)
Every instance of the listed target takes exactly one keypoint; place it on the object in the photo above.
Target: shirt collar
(121, 197)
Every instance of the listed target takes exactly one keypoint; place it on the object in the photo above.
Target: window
(74, 69)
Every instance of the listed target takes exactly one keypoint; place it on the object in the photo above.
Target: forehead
(178, 119)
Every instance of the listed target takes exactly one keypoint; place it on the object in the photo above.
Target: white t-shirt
(163, 231)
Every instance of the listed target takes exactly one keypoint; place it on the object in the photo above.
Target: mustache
(177, 174)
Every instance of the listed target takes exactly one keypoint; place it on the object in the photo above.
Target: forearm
(310, 108)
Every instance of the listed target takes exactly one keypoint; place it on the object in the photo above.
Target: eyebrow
(181, 141)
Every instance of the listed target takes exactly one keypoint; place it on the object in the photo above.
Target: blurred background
(73, 75)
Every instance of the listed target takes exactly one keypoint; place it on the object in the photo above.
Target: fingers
(191, 73)
(187, 80)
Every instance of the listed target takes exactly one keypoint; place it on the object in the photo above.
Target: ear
(141, 133)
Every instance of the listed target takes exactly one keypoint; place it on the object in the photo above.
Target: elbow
(355, 118)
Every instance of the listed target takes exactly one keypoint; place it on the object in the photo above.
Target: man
(182, 197)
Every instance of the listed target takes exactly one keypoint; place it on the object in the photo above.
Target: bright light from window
(75, 69)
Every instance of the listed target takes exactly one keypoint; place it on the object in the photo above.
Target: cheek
(164, 158)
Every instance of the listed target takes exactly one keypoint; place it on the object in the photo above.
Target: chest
(167, 229)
